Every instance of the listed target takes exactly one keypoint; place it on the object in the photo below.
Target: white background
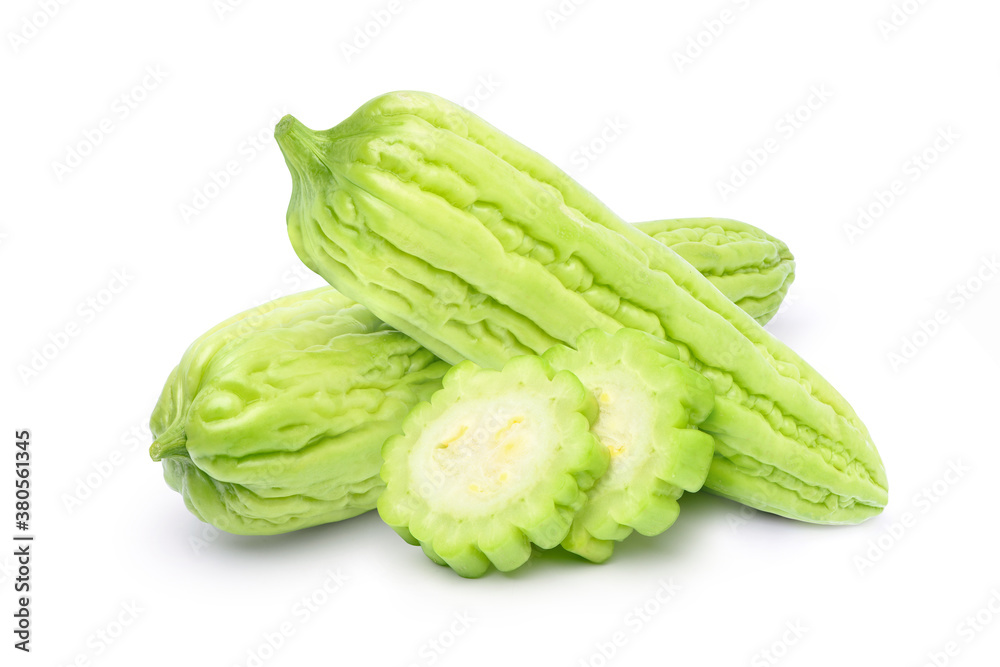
(876, 594)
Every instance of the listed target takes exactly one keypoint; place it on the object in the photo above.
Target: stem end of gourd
(294, 138)
(285, 125)
(172, 443)
(301, 148)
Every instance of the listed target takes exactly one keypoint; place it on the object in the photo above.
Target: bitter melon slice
(495, 462)
(649, 403)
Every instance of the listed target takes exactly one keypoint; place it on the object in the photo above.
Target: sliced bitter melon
(495, 462)
(649, 403)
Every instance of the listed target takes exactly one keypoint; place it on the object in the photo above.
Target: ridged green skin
(752, 268)
(273, 419)
(481, 249)
(649, 406)
(238, 508)
(495, 462)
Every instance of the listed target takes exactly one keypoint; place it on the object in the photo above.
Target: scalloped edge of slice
(650, 404)
(496, 461)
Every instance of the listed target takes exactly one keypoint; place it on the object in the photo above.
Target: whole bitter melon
(481, 249)
(273, 419)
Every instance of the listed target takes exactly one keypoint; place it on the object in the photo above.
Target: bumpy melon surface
(273, 420)
(481, 249)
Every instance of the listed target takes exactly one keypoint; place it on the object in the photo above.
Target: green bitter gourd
(481, 249)
(273, 419)
(239, 509)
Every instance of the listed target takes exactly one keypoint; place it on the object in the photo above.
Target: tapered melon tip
(287, 124)
(300, 147)
(171, 443)
(290, 134)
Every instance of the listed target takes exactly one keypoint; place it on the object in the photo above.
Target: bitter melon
(752, 268)
(495, 462)
(273, 419)
(648, 403)
(238, 508)
(481, 249)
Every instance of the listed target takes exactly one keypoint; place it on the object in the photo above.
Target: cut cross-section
(495, 462)
(649, 406)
